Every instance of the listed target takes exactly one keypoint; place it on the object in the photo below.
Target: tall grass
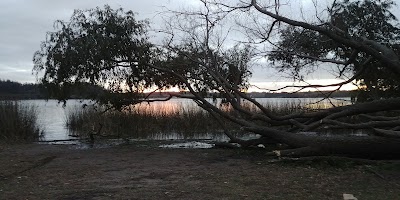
(145, 120)
(18, 123)
(294, 105)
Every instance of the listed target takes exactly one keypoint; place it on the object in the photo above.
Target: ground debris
(349, 197)
(132, 171)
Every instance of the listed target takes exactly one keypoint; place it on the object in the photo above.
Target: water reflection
(175, 105)
(160, 108)
(187, 145)
(52, 117)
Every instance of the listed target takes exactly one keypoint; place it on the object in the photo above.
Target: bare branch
(387, 133)
(380, 52)
(366, 125)
(361, 108)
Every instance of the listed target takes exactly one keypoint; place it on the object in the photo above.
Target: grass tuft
(18, 123)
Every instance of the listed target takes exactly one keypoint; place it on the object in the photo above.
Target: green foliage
(103, 47)
(373, 20)
(206, 69)
(110, 49)
(360, 20)
(296, 41)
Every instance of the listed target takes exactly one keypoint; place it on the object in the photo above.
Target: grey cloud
(24, 23)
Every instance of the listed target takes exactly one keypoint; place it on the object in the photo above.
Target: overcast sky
(24, 23)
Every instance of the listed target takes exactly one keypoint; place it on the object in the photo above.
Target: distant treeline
(11, 90)
(14, 90)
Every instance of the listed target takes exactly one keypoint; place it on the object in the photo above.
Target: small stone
(261, 146)
(349, 197)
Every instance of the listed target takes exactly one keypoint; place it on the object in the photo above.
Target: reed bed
(18, 123)
(292, 106)
(142, 121)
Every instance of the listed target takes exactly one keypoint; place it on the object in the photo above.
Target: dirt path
(131, 172)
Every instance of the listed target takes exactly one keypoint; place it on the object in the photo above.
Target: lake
(52, 115)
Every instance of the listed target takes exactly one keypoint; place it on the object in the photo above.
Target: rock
(349, 197)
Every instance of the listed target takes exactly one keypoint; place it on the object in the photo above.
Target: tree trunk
(368, 146)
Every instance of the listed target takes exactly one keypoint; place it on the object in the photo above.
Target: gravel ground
(34, 171)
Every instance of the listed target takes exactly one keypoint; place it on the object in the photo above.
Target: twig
(368, 168)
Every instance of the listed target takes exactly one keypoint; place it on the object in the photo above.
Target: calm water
(52, 115)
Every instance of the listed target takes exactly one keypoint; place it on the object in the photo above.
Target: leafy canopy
(301, 49)
(104, 47)
(109, 48)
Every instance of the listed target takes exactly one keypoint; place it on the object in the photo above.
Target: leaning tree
(110, 48)
(300, 48)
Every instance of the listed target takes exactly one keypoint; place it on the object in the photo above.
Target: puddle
(62, 142)
(177, 144)
(83, 144)
(188, 145)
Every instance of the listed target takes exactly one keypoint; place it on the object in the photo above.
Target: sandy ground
(35, 171)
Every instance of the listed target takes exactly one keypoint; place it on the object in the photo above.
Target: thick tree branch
(378, 51)
(366, 125)
(387, 133)
(361, 108)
